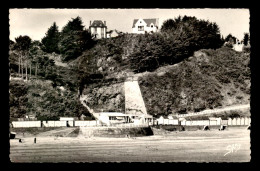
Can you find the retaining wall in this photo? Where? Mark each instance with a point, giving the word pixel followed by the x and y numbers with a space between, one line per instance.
pixel 116 132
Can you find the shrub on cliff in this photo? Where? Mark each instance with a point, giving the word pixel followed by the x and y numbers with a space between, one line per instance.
pixel 17 99
pixel 199 83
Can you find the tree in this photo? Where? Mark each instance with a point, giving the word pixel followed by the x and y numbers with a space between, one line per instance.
pixel 51 39
pixel 85 40
pixel 36 54
pixel 74 39
pixel 75 24
pixel 231 39
pixel 246 39
pixel 192 34
pixel 170 24
pixel 147 54
pixel 22 45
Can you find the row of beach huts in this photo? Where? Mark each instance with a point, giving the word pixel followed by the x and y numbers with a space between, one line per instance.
pixel 71 122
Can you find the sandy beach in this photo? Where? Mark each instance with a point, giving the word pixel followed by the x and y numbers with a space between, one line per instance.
pixel 231 145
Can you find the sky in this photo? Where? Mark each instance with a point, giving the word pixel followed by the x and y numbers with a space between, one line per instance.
pixel 35 22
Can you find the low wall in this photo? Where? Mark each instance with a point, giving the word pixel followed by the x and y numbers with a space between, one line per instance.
pixel 86 123
pixel 190 127
pixel 26 124
pixel 116 132
pixel 230 122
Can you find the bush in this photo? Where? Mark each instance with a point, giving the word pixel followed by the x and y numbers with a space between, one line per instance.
pixel 228 45
pixel 18 99
pixel 246 49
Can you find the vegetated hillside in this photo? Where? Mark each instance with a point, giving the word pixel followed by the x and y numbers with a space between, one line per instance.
pixel 208 79
pixel 50 94
pixel 108 57
pixel 130 53
pixel 39 98
pixel 109 98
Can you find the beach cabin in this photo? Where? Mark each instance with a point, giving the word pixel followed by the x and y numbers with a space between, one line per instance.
pixel 69 120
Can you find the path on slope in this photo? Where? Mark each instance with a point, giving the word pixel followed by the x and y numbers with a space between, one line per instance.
pixel 206 112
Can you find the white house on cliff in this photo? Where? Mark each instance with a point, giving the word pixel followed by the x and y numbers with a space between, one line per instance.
pixel 140 26
pixel 98 29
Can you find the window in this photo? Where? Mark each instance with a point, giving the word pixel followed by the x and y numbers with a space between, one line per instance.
pixel 151 26
pixel 140 28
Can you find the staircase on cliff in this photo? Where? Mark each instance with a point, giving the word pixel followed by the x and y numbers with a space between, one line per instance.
pixel 134 103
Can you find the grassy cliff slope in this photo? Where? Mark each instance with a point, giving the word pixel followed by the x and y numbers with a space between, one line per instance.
pixel 208 79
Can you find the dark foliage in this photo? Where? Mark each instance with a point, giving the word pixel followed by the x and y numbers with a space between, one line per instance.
pixel 246 39
pixel 51 39
pixel 22 43
pixel 74 40
pixel 17 99
pixel 230 39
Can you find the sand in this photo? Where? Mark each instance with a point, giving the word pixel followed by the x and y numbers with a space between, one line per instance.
pixel 232 145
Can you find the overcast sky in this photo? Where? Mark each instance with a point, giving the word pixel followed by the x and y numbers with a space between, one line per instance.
pixel 35 22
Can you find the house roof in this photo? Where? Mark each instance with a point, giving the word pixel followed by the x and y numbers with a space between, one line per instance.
pixel 147 21
pixel 97 23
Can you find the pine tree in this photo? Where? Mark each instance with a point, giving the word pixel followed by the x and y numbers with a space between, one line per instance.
pixel 74 39
pixel 75 24
pixel 246 39
pixel 51 39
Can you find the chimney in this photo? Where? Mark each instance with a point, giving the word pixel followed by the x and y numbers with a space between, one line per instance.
pixel 105 23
